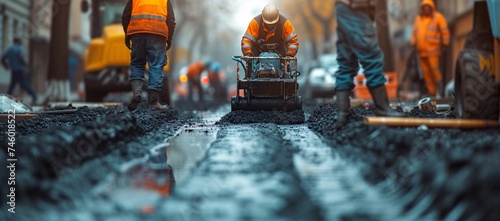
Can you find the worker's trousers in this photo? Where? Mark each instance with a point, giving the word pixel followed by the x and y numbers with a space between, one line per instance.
pixel 431 72
pixel 357 43
pixel 151 49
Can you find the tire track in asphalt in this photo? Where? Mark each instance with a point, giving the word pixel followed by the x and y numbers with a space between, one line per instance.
pixel 246 174
pixel 335 184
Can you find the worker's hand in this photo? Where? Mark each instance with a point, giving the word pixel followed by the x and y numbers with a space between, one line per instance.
pixel 248 55
pixel 128 41
pixel 290 55
pixel 169 44
pixel 444 48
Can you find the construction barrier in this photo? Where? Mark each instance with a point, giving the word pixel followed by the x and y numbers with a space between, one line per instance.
pixel 361 91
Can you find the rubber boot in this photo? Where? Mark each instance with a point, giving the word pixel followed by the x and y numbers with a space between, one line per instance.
pixel 136 98
pixel 381 102
pixel 343 103
pixel 154 101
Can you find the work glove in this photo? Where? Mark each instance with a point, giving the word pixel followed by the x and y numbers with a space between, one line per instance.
pixel 290 55
pixel 248 55
pixel 128 41
pixel 444 48
pixel 169 44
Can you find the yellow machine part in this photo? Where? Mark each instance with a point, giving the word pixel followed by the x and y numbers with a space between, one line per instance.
pixel 108 50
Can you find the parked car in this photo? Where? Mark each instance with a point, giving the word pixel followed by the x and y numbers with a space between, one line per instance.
pixel 320 82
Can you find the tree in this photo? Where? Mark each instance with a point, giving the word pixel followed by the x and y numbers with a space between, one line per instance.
pixel 384 37
pixel 58 84
pixel 315 22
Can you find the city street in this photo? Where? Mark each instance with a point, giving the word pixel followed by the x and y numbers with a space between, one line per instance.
pixel 109 164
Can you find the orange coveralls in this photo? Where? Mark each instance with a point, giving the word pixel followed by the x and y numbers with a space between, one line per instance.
pixel 429 32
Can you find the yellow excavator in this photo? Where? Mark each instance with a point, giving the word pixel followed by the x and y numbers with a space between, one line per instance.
pixel 107 59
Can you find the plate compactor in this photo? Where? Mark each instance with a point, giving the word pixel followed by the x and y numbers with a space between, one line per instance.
pixel 269 83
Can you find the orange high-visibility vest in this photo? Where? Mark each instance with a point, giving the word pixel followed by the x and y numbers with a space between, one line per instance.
pixel 149 16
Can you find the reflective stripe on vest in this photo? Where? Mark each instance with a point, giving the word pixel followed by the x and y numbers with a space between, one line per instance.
pixel 149 16
pixel 433 35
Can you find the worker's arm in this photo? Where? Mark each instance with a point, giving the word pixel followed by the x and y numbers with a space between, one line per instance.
pixel 250 37
pixel 170 20
pixel 127 13
pixel 291 39
pixel 443 28
pixel 170 23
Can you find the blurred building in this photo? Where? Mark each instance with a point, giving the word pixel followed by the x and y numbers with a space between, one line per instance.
pixel 402 14
pixel 14 22
pixel 40 38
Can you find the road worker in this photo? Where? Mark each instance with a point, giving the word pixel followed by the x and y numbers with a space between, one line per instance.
pixel 357 43
pixel 194 72
pixel 149 26
pixel 267 28
pixel 430 32
pixel 14 59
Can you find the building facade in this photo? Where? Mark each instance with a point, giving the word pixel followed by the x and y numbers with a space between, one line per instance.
pixel 14 22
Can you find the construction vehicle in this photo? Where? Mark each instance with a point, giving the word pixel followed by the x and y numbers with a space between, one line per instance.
pixel 107 59
pixel 270 82
pixel 477 76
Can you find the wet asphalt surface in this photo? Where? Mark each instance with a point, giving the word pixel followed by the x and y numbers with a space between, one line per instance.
pixel 203 162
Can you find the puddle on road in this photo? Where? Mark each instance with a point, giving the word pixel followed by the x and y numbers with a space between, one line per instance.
pixel 187 148
pixel 143 183
pixel 191 143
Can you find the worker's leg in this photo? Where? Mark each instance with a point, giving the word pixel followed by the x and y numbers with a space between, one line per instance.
pixel 137 69
pixel 200 91
pixel 138 57
pixel 24 84
pixel 13 82
pixel 348 62
pixel 362 38
pixel 348 65
pixel 156 51
pixel 426 68
pixel 190 89
pixel 435 72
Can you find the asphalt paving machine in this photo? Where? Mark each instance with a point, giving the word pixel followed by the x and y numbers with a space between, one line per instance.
pixel 269 83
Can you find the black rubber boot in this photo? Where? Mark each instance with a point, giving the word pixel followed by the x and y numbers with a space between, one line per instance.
pixel 381 102
pixel 136 98
pixel 343 103
pixel 154 101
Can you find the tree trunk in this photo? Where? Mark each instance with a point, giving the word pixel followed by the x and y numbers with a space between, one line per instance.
pixel 58 84
pixel 309 31
pixel 326 24
pixel 384 37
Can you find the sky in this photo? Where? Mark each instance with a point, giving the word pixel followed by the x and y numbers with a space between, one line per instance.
pixel 246 11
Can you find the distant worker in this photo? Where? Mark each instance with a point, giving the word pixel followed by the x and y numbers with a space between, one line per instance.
pixel 72 65
pixel 194 72
pixel 13 59
pixel 357 42
pixel 270 27
pixel 429 32
pixel 148 25
pixel 216 77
